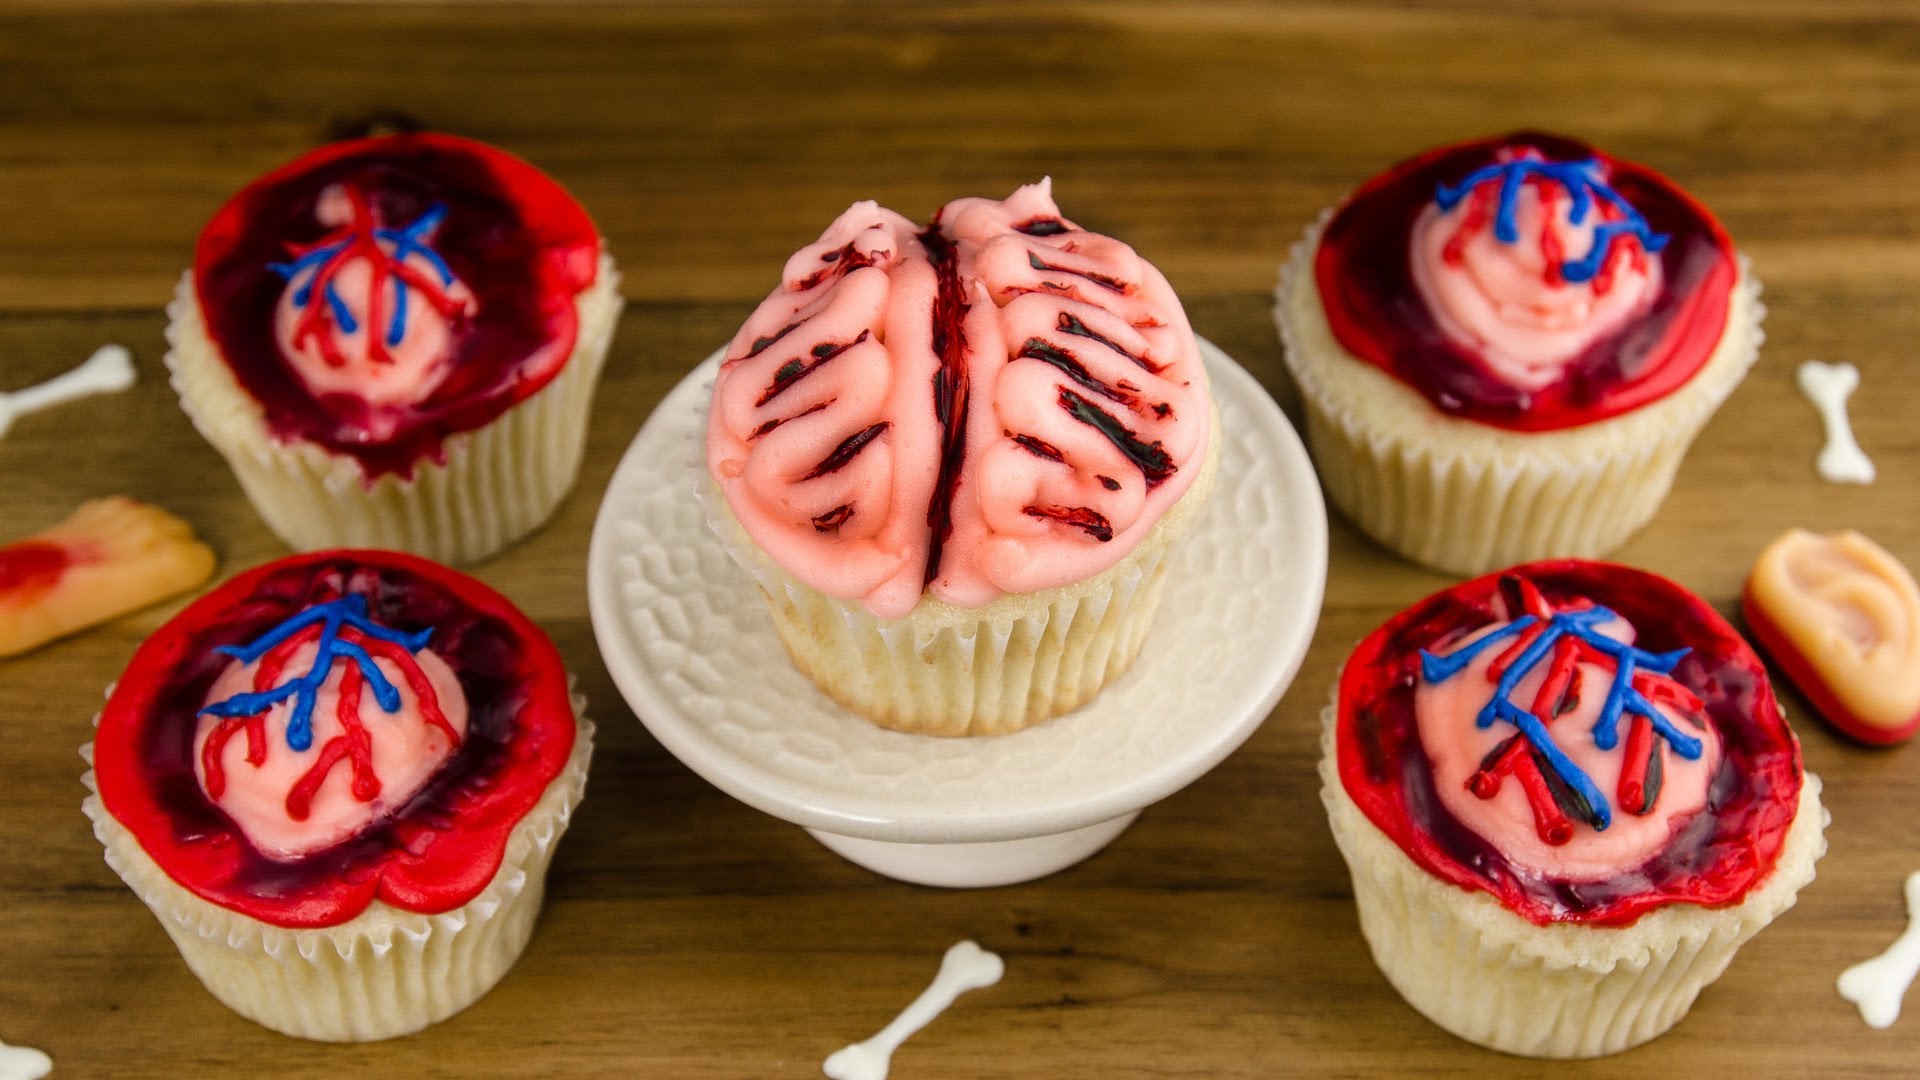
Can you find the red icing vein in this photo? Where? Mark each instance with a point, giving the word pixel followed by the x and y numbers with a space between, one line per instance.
pixel 1715 857
pixel 510 234
pixel 447 842
pixel 1363 271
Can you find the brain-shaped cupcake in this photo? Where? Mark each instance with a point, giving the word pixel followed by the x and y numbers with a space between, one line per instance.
pixel 998 403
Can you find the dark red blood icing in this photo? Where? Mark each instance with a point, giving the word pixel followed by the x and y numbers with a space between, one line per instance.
pixel 512 235
pixel 1364 274
pixel 1716 856
pixel 29 568
pixel 950 394
pixel 444 847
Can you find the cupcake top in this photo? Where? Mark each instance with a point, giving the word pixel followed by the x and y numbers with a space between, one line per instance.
pixel 999 402
pixel 331 729
pixel 1528 282
pixel 1583 741
pixel 377 295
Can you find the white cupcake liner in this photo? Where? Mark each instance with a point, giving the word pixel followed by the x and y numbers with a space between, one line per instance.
pixel 384 973
pixel 1466 497
pixel 991 670
pixel 1563 991
pixel 499 482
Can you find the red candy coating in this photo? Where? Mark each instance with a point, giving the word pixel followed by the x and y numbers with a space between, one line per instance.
pixel 1363 271
pixel 512 235
pixel 1715 859
pixel 448 842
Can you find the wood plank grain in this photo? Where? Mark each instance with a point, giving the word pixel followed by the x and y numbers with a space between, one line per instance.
pixel 688 936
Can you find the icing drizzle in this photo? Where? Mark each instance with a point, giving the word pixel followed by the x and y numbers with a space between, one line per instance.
pixel 1364 270
pixel 1585 183
pixel 1558 790
pixel 345 633
pixel 427 852
pixel 1712 856
pixel 340 631
pixel 378 295
pixel 386 251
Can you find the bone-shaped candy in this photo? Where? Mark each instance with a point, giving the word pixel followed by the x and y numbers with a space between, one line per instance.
pixel 1877 985
pixel 1829 386
pixel 110 368
pixel 965 967
pixel 23 1063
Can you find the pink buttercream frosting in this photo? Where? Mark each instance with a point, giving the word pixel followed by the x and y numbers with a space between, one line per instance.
pixel 1456 746
pixel 1507 302
pixel 349 361
pixel 407 750
pixel 1000 403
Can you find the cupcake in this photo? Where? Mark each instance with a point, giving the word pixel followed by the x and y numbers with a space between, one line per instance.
pixel 337 781
pixel 394 342
pixel 955 457
pixel 1506 347
pixel 1567 797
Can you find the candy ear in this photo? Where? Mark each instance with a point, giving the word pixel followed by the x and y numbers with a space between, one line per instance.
pixel 1842 616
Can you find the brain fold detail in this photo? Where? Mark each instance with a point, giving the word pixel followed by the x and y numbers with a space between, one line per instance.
pixel 999 402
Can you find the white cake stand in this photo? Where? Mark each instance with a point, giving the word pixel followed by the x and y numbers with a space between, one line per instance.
pixel 689 642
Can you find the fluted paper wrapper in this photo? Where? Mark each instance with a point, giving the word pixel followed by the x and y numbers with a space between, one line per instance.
pixel 498 483
pixel 387 972
pixel 992 670
pixel 1562 991
pixel 1468 498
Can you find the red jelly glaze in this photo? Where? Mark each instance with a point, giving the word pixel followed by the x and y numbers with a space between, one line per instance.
pixel 28 568
pixel 1807 680
pixel 512 235
pixel 1365 278
pixel 1716 857
pixel 444 846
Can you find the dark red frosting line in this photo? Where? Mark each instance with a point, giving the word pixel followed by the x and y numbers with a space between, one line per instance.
pixel 951 393
pixel 1716 857
pixel 444 847
pixel 515 238
pixel 1364 275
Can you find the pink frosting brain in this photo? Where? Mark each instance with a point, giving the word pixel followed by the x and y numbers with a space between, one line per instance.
pixel 998 403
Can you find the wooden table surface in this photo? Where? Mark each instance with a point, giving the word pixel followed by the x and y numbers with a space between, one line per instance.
pixel 688 936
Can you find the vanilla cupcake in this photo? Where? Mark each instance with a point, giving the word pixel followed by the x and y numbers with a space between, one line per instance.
pixel 394 342
pixel 956 458
pixel 337 781
pixel 1567 796
pixel 1506 347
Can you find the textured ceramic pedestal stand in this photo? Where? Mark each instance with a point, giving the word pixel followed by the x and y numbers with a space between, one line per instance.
pixel 689 642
